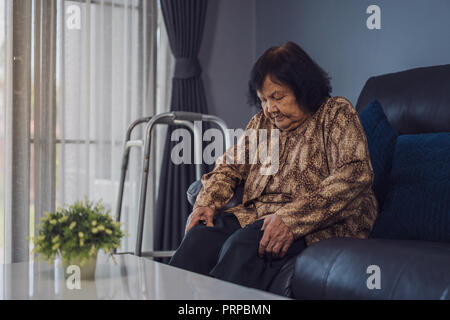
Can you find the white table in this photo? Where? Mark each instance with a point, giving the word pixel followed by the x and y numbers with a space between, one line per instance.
pixel 131 278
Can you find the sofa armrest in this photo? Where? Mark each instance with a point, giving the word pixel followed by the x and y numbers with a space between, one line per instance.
pixel 196 186
pixel 193 191
pixel 338 269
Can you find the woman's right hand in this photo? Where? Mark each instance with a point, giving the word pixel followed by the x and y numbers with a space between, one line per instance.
pixel 200 214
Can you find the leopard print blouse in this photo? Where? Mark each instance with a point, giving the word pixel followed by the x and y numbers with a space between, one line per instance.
pixel 322 187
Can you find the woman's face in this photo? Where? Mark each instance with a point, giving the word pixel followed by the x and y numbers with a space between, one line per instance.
pixel 280 105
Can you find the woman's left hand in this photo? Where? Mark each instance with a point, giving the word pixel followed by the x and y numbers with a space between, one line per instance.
pixel 277 238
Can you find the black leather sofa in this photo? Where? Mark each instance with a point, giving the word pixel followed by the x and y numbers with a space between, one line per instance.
pixel 414 101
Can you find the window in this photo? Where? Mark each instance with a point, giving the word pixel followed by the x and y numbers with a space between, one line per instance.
pixel 3 89
pixel 95 67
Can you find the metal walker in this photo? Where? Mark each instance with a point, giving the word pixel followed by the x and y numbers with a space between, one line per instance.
pixel 169 118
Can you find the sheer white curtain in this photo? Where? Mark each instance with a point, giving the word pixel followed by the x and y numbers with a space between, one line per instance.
pixel 5 90
pixel 2 123
pixel 96 66
pixel 15 128
pixel 108 78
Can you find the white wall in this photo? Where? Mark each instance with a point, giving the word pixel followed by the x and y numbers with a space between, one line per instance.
pixel 414 33
pixel 226 56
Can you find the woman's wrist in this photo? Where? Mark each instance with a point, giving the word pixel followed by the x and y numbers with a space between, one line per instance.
pixel 200 205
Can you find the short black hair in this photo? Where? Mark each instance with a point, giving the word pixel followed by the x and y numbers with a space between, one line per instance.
pixel 290 65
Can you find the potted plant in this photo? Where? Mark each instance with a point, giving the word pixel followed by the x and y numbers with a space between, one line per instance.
pixel 76 233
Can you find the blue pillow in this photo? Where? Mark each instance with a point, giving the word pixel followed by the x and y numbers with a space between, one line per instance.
pixel 381 138
pixel 417 206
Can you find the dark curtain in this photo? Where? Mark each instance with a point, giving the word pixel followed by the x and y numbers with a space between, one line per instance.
pixel 185 20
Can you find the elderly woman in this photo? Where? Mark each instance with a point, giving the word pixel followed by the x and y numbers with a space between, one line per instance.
pixel 322 188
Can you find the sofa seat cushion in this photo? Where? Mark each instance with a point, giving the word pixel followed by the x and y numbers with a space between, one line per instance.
pixel 345 268
pixel 417 206
pixel 381 138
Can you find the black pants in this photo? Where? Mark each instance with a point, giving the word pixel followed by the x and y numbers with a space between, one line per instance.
pixel 229 252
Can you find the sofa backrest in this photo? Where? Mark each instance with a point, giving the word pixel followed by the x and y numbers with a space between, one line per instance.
pixel 417 104
pixel 414 101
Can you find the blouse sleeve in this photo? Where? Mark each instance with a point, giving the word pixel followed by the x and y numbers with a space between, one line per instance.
pixel 230 171
pixel 350 174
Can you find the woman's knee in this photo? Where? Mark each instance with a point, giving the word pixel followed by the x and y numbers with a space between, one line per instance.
pixel 243 239
pixel 199 250
pixel 190 250
pixel 201 242
pixel 194 238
